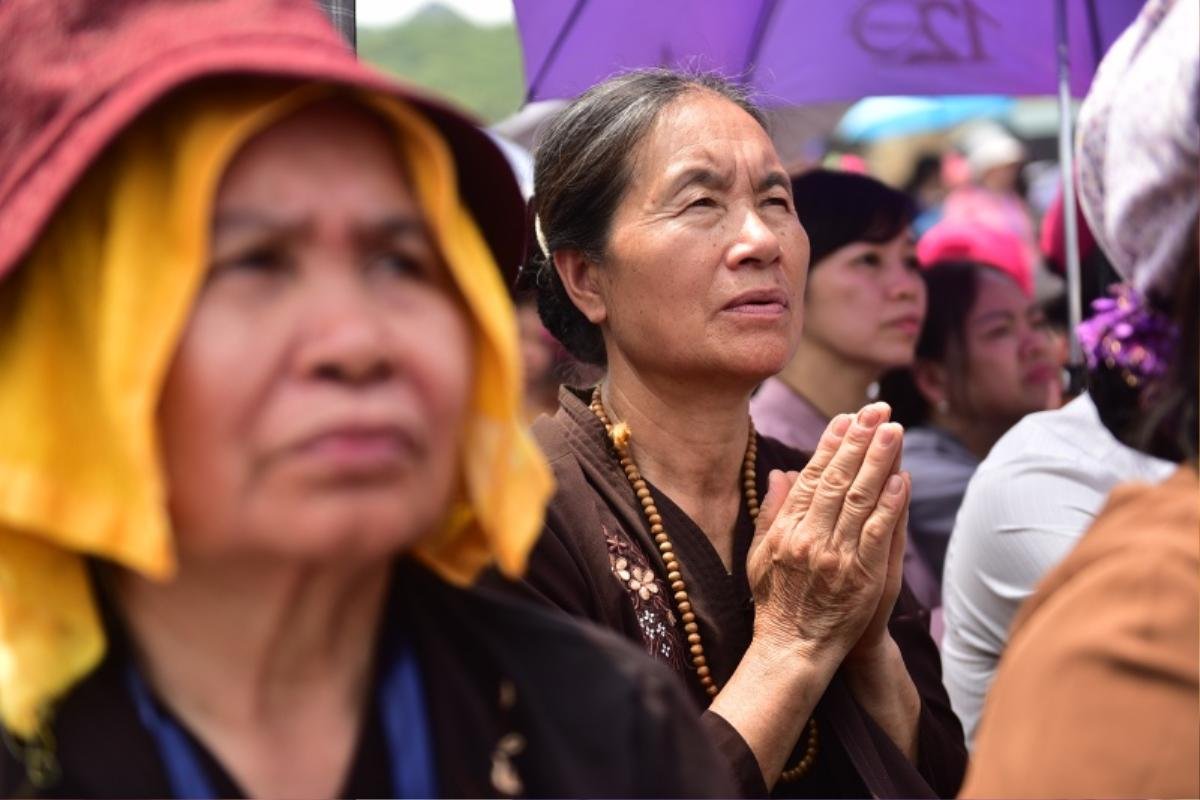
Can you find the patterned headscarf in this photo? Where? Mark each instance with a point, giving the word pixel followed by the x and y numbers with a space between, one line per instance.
pixel 1139 145
pixel 88 326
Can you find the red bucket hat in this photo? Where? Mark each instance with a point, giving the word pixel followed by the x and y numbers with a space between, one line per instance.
pixel 75 73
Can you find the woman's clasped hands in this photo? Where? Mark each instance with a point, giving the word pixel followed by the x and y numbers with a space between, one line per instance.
pixel 826 562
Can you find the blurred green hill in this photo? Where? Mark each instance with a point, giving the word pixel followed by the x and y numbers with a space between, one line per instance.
pixel 477 67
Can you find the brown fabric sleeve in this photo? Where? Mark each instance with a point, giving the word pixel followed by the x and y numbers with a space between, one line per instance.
pixel 569 570
pixel 737 753
pixel 569 567
pixel 941 747
pixel 557 574
pixel 683 760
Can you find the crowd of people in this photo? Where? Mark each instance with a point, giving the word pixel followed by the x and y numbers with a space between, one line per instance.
pixel 809 515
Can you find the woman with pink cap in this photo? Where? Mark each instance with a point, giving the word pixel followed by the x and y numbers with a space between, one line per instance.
pixel 983 361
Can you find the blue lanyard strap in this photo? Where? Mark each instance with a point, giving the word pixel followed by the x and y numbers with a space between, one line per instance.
pixel 184 771
pixel 406 727
pixel 401 706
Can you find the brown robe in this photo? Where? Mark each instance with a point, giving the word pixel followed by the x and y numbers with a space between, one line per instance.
pixel 596 560
pixel 592 716
pixel 1098 693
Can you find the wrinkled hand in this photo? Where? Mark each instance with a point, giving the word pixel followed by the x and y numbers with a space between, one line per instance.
pixel 876 634
pixel 825 562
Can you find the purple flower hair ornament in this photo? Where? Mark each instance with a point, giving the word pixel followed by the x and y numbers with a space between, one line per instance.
pixel 1126 334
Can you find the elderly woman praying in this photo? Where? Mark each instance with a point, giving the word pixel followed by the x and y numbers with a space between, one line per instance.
pixel 669 252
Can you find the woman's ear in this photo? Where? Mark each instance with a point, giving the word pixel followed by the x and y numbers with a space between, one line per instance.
pixel 931 380
pixel 580 277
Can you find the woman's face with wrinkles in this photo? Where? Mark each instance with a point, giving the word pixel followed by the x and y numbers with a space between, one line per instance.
pixel 704 272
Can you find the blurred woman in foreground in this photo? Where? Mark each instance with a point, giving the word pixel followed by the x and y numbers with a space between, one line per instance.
pixel 259 429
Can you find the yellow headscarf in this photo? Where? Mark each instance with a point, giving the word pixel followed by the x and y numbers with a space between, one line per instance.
pixel 88 326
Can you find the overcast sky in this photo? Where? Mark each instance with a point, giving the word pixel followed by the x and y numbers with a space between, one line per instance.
pixel 371 13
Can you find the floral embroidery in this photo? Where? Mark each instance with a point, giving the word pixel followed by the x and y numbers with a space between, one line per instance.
pixel 639 579
pixel 651 608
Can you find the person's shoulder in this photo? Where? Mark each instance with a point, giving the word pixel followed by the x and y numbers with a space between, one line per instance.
pixel 781 413
pixel 1140 517
pixel 1071 441
pixel 546 635
pixel 100 748
pixel 569 437
pixel 550 434
pixel 567 447
pixel 598 716
pixel 601 692
pixel 1145 539
pixel 936 444
pixel 1041 506
pixel 1044 450
pixel 1116 625
pixel 936 459
pixel 1059 434
pixel 774 402
pixel 541 637
pixel 941 469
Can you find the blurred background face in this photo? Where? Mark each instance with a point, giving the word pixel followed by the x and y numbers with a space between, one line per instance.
pixel 314 405
pixel 866 303
pixel 704 271
pixel 1010 369
pixel 1003 178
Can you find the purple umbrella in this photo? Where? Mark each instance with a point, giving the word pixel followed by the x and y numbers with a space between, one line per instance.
pixel 807 51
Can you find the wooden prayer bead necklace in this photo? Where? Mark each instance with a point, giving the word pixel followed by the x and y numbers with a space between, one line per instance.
pixel 619 435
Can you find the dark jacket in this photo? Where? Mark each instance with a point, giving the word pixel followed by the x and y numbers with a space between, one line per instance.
pixel 592 561
pixel 581 713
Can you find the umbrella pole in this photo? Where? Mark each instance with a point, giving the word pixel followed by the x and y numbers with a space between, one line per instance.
pixel 342 14
pixel 1066 159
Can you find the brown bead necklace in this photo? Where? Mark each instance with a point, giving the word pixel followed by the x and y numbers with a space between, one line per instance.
pixel 619 435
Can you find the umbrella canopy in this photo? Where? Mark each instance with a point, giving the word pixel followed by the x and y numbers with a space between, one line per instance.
pixel 796 53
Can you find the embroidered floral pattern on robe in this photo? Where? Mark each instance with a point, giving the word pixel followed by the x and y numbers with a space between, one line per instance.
pixel 651 603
